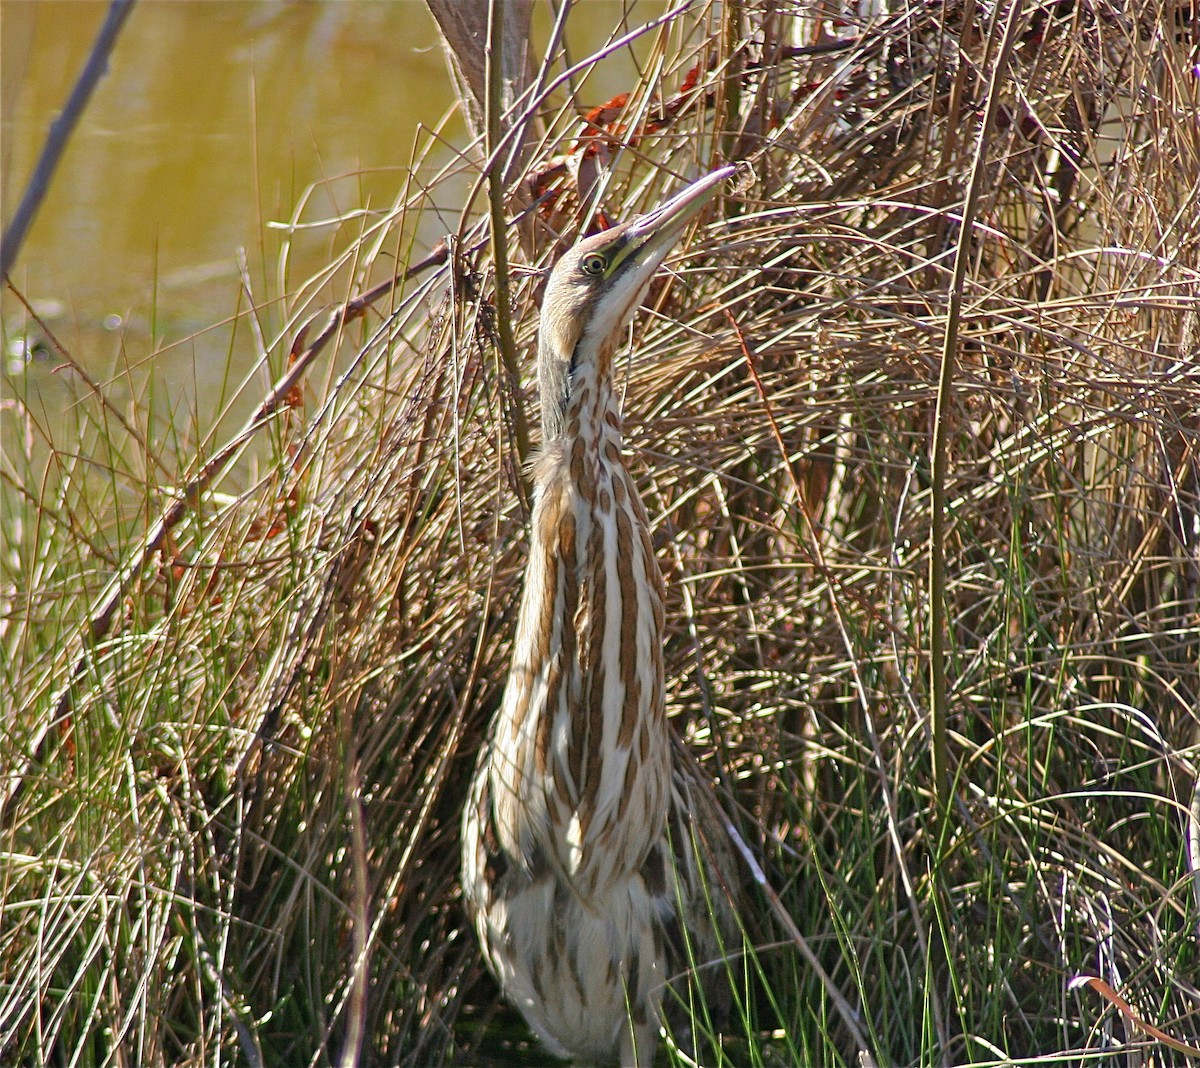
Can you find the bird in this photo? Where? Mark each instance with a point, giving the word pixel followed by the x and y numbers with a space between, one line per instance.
pixel 592 863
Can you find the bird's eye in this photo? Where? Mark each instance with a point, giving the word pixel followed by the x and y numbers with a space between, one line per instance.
pixel 594 264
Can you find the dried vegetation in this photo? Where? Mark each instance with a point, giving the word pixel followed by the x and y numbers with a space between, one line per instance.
pixel 239 841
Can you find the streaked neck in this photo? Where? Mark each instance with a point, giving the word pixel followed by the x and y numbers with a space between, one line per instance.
pixel 578 402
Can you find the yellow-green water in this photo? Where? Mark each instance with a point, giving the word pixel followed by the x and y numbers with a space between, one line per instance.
pixel 218 120
pixel 214 120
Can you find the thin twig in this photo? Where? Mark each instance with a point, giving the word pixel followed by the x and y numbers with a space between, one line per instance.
pixel 495 176
pixel 940 448
pixel 360 968
pixel 60 133
pixel 1193 842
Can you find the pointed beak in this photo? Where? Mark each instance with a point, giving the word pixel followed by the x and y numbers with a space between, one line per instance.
pixel 653 235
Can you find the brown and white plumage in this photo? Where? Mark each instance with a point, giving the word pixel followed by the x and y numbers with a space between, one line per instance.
pixel 577 844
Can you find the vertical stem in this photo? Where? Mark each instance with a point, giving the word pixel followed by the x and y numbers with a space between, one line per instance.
pixel 938 640
pixel 730 107
pixel 499 227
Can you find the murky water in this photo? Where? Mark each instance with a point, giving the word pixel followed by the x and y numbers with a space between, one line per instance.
pixel 216 122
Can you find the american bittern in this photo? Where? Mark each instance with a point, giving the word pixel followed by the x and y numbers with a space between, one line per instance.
pixel 587 881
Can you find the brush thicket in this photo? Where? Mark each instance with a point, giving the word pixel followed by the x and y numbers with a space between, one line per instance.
pixel 242 841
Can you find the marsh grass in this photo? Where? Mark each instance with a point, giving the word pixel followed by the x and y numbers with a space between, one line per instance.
pixel 240 843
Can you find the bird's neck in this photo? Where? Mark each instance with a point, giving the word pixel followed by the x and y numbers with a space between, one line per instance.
pixel 579 406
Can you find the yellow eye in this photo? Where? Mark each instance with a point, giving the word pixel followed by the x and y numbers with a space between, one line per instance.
pixel 595 264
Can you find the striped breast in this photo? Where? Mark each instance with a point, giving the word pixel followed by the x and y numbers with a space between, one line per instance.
pixel 581 760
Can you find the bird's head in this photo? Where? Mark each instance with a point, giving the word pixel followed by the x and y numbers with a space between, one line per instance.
pixel 596 287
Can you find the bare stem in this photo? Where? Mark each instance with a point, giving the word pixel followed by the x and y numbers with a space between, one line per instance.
pixel 508 344
pixel 60 133
pixel 938 640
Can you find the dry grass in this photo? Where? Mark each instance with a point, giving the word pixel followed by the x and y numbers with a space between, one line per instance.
pixel 242 846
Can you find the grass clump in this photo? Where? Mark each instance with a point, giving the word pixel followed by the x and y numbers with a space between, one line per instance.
pixel 238 839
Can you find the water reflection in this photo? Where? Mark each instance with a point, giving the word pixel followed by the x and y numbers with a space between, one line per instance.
pixel 212 122
pixel 215 121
